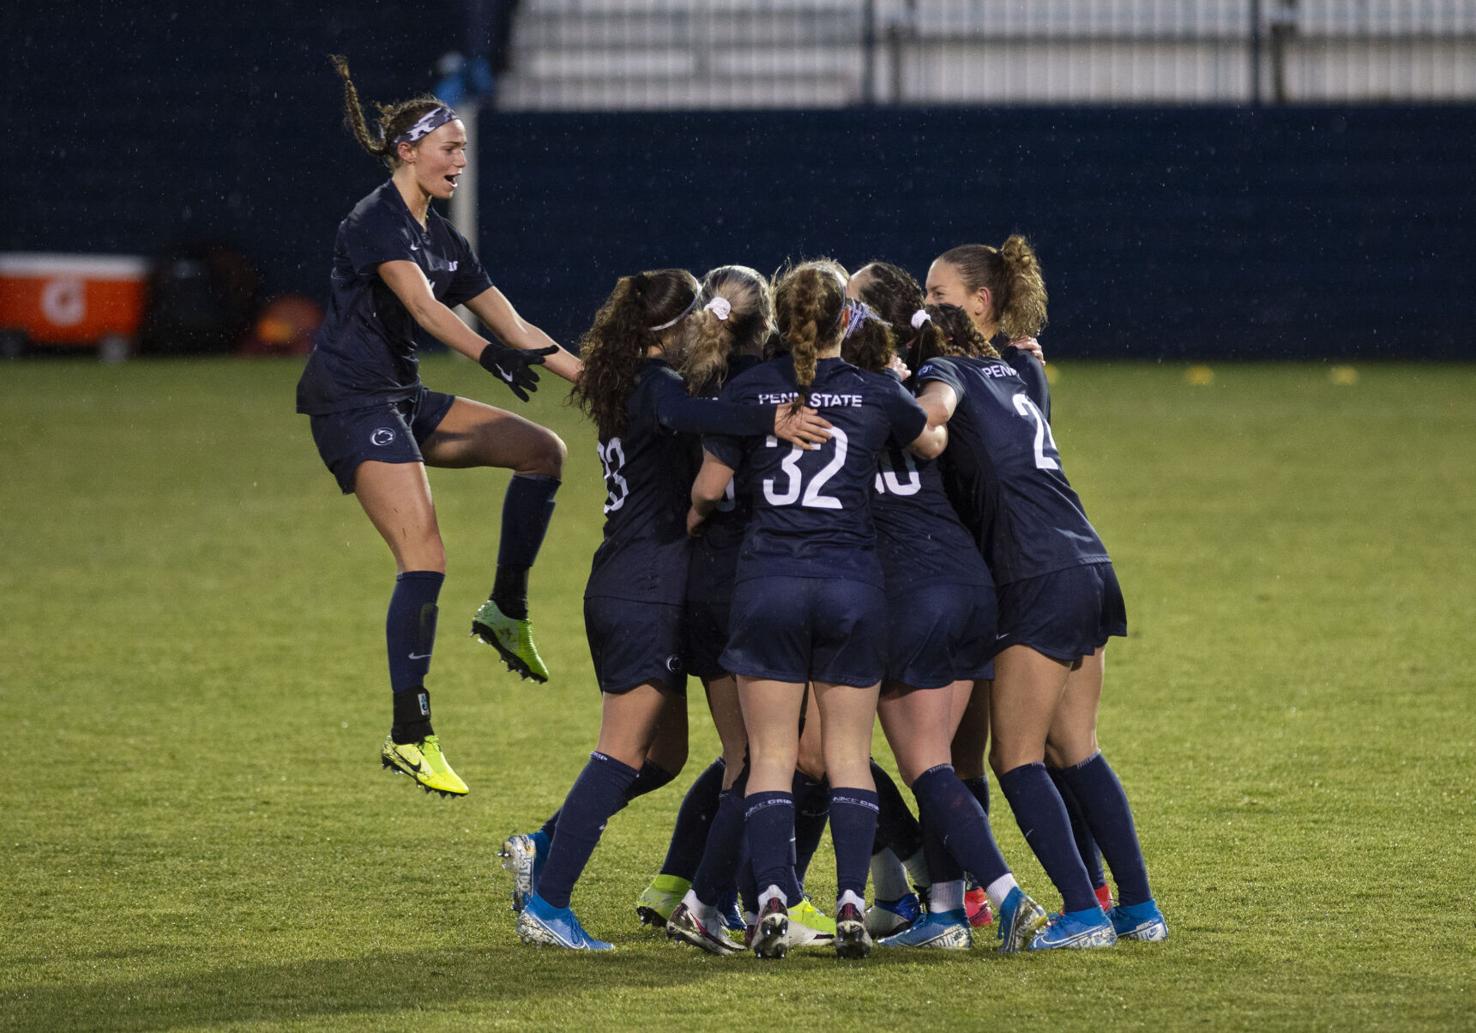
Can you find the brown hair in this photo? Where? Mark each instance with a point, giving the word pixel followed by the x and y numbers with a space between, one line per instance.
pixel 394 119
pixel 808 301
pixel 1012 274
pixel 896 297
pixel 709 343
pixel 957 334
pixel 615 345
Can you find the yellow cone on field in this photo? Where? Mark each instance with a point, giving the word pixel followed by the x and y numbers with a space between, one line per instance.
pixel 1199 376
pixel 1343 376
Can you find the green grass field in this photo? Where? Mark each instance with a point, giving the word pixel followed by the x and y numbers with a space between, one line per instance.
pixel 197 833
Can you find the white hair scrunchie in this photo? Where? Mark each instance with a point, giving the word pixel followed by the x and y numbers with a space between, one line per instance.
pixel 919 318
pixel 721 307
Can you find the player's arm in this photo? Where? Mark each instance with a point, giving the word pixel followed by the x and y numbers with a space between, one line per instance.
pixel 938 401
pixel 678 411
pixel 707 490
pixel 414 291
pixel 493 308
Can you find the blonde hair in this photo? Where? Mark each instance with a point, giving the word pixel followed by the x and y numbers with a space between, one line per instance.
pixel 808 302
pixel 708 343
pixel 1012 274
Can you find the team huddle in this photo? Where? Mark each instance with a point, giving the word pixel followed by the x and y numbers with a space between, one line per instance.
pixel 831 499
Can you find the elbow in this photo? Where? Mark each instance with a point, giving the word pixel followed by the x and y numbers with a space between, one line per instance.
pixel 931 443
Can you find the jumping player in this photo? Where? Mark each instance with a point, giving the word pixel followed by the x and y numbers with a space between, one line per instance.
pixel 398 267
pixel 633 600
pixel 1059 603
pixel 808 604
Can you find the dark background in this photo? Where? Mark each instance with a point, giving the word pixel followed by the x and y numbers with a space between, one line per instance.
pixel 1165 232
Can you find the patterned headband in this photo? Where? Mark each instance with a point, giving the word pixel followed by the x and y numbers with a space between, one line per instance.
pixel 432 120
pixel 855 313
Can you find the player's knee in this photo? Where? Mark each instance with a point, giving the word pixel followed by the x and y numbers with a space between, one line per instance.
pixel 549 455
pixel 422 551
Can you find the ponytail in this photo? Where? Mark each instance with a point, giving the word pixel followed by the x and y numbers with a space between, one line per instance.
pixel 809 301
pixel 1013 277
pixel 394 119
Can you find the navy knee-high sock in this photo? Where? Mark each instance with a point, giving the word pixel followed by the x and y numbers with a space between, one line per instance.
pixel 410 636
pixel 942 865
pixel 769 824
pixel 694 821
pixel 1105 807
pixel 1041 815
pixel 811 812
pixel 979 789
pixel 853 819
pixel 748 890
pixel 962 825
pixel 717 874
pixel 598 792
pixel 1086 843
pixel 895 825
pixel 526 510
pixel 650 778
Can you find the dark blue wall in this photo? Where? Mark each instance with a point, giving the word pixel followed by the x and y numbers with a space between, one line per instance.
pixel 1164 232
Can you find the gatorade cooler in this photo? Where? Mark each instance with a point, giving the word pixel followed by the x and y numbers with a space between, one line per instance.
pixel 87 301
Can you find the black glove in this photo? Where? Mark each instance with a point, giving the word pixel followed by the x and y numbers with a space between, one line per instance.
pixel 514 366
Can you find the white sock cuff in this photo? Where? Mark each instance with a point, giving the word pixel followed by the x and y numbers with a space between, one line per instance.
pixel 1000 888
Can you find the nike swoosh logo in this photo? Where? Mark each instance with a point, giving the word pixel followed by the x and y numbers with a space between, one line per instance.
pixel 419 656
pixel 414 247
pixel 507 376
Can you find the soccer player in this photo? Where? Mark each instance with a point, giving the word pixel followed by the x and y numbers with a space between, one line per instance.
pixel 1059 602
pixel 398 267
pixel 633 599
pixel 808 605
pixel 1002 289
pixel 940 638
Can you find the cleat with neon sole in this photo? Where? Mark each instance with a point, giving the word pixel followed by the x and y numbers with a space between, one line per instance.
pixel 424 762
pixel 512 638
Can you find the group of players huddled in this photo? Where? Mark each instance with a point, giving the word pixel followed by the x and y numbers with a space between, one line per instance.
pixel 830 498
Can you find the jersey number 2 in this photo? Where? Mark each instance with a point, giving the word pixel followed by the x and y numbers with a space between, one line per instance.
pixel 1025 407
pixel 794 480
pixel 612 458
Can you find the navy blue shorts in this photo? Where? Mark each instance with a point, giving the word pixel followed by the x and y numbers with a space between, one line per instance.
pixel 633 643
pixel 391 432
pixel 706 636
pixel 940 634
pixel 799 629
pixel 1066 615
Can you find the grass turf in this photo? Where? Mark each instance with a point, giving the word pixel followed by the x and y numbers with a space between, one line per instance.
pixel 198 835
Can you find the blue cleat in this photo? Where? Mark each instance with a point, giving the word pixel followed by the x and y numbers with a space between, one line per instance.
pixel 524 856
pixel 946 930
pixel 1079 930
pixel 542 924
pixel 1019 919
pixel 888 917
pixel 1139 922
pixel 733 917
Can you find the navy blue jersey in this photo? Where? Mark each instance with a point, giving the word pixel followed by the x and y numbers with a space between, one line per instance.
pixel 812 509
pixel 715 552
pixel 920 536
pixel 1033 374
pixel 1006 477
pixel 364 353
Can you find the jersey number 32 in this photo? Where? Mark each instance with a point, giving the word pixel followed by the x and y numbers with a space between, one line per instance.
pixel 794 489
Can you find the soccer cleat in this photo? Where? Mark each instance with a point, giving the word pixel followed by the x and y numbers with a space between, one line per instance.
pixel 523 857
pixel 659 901
pixel 424 762
pixel 851 938
pixel 1104 898
pixel 809 926
pixel 733 917
pixel 770 937
pixel 1079 930
pixel 945 930
pixel 542 924
pixel 889 917
pixel 1139 922
pixel 512 638
pixel 1019 919
pixel 976 906
pixel 686 926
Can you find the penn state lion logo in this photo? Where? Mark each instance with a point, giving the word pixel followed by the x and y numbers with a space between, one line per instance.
pixel 674 664
pixel 382 436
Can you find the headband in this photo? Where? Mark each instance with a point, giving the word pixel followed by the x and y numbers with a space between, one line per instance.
pixel 428 123
pixel 691 307
pixel 919 318
pixel 854 314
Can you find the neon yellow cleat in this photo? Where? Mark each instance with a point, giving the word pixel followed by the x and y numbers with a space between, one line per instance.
pixel 809 927
pixel 658 900
pixel 424 762
pixel 513 640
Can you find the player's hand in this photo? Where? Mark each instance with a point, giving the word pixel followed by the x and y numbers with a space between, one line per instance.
pixel 695 520
pixel 1031 345
pixel 803 427
pixel 515 366
pixel 899 367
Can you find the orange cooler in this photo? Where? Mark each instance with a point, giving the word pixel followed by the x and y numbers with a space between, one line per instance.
pixel 72 299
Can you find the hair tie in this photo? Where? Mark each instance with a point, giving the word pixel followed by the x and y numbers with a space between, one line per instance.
pixel 720 307
pixel 683 314
pixel 428 123
pixel 919 318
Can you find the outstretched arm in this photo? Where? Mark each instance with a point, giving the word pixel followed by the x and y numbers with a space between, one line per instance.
pixel 493 308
